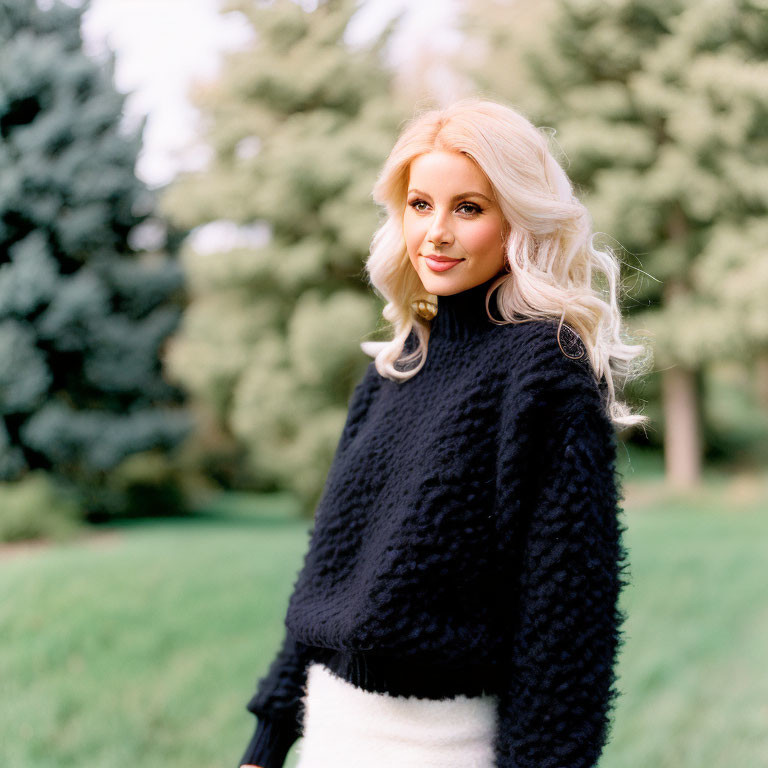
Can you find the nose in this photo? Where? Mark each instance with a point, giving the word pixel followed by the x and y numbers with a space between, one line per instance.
pixel 439 232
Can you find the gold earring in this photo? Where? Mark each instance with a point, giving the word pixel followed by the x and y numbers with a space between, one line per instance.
pixel 425 308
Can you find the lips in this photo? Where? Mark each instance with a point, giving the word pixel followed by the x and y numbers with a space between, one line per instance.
pixel 440 263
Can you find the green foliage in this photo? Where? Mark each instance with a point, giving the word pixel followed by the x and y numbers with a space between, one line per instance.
pixel 737 425
pixel 298 124
pixel 37 507
pixel 660 111
pixel 147 484
pixel 84 316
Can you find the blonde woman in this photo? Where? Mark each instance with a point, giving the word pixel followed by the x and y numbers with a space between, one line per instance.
pixel 458 602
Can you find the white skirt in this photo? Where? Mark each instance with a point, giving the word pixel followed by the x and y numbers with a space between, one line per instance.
pixel 348 727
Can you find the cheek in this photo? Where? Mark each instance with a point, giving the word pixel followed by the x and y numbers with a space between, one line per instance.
pixel 414 232
pixel 482 238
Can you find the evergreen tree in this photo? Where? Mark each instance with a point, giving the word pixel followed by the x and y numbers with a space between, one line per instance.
pixel 298 125
pixel 660 109
pixel 83 314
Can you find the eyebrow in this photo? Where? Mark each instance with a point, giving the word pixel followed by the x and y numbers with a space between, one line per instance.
pixel 455 197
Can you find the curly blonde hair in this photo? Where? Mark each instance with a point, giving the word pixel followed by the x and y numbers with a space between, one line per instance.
pixel 551 261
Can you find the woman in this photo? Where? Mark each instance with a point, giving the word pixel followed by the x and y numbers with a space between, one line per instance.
pixel 458 602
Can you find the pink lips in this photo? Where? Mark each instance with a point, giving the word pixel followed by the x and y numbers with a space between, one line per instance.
pixel 441 263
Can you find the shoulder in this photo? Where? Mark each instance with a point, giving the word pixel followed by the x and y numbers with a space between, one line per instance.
pixel 360 401
pixel 551 400
pixel 546 365
pixel 366 386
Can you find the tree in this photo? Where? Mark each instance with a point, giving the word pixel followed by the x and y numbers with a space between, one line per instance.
pixel 297 124
pixel 83 313
pixel 660 109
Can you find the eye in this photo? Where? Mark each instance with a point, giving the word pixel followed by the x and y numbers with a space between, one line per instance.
pixel 471 208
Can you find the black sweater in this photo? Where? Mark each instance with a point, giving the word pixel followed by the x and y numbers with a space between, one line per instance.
pixel 467 540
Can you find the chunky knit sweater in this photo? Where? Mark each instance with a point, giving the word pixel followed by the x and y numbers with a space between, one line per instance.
pixel 467 541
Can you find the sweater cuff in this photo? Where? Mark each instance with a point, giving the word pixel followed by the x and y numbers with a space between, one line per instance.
pixel 271 741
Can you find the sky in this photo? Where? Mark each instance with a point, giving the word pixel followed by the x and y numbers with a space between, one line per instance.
pixel 161 46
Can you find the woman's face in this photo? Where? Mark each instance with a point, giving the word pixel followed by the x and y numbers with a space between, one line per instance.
pixel 451 214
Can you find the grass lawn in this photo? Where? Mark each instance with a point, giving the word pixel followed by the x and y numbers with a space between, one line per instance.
pixel 140 646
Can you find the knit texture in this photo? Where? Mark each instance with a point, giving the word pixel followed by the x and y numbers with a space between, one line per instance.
pixel 467 541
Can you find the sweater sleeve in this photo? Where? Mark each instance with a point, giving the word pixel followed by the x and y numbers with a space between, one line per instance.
pixel 562 562
pixel 277 705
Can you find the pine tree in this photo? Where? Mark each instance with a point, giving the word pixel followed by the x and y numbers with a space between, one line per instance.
pixel 660 109
pixel 298 125
pixel 83 314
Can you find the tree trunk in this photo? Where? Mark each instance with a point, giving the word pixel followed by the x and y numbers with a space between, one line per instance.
pixel 682 431
pixel 679 388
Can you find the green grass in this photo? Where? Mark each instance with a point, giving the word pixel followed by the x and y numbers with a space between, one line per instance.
pixel 141 646
pixel 692 668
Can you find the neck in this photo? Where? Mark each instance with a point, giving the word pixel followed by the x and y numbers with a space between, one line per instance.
pixel 463 315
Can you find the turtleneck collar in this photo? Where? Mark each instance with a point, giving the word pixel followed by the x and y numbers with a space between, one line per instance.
pixel 462 315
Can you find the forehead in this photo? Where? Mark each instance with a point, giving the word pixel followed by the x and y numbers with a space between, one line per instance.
pixel 446 172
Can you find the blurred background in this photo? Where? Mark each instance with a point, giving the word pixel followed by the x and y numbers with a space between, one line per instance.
pixel 184 216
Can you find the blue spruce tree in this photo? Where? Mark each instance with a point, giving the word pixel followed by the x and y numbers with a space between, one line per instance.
pixel 84 313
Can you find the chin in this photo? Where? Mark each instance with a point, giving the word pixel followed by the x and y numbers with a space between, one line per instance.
pixel 439 286
pixel 445 284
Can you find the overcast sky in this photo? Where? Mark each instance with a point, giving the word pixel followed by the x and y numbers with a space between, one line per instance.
pixel 162 45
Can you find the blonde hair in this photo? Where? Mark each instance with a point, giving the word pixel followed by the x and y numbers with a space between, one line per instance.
pixel 550 255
